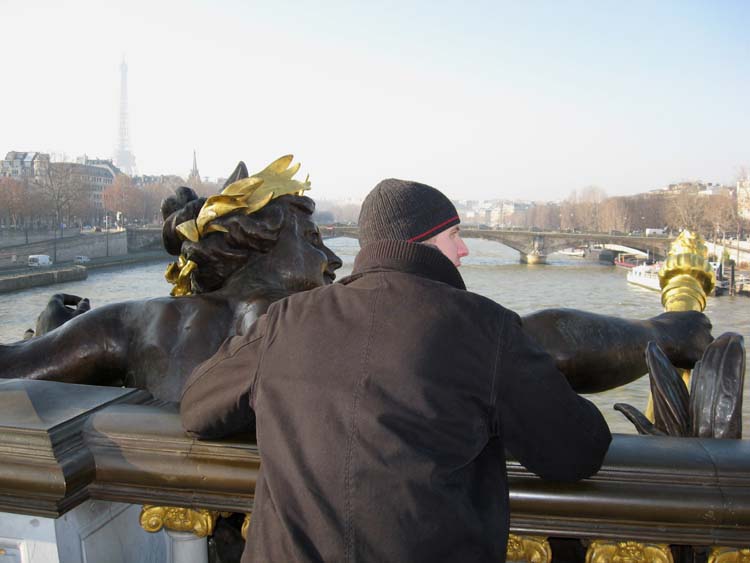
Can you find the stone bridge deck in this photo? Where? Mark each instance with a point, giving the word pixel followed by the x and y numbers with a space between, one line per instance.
pixel 535 246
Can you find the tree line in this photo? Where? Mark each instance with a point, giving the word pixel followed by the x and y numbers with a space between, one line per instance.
pixel 60 196
pixel 590 210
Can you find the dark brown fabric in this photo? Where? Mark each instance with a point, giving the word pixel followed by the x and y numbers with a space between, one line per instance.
pixel 383 405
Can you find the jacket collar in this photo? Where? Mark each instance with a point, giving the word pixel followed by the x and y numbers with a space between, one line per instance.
pixel 408 257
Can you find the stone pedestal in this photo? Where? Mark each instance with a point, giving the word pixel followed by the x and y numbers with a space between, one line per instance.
pixel 94 531
pixel 187 547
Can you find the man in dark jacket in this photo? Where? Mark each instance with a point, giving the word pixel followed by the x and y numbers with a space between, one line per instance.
pixel 384 403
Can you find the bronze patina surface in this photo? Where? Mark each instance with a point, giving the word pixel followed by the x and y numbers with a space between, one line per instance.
pixel 247 248
pixel 45 467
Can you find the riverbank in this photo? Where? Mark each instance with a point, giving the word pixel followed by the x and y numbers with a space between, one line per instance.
pixel 20 282
pixel 19 279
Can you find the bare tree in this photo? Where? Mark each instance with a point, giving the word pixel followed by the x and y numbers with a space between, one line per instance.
pixel 613 215
pixel 123 197
pixel 60 188
pixel 688 211
pixel 12 202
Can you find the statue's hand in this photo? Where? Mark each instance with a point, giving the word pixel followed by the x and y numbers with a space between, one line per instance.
pixel 60 309
pixel 683 336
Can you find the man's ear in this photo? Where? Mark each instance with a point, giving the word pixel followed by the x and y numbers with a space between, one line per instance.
pixel 240 172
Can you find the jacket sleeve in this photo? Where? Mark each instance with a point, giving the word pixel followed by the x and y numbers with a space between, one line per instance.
pixel 216 399
pixel 547 427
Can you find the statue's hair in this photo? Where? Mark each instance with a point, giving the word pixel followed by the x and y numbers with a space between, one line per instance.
pixel 220 254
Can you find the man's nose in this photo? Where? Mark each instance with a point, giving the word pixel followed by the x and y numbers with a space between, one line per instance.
pixel 463 250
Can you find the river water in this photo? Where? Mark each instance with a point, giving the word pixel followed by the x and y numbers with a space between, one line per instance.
pixel 491 269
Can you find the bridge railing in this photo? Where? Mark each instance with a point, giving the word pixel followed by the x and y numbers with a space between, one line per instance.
pixel 651 493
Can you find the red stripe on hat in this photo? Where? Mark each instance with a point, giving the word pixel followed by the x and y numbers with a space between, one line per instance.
pixel 432 230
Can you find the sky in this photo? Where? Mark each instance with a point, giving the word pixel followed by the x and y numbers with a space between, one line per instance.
pixel 499 99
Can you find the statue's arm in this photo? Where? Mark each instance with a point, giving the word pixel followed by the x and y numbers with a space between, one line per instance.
pixel 90 348
pixel 599 352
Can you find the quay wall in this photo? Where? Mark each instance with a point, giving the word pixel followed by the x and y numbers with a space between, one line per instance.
pixel 46 277
pixel 145 238
pixel 93 245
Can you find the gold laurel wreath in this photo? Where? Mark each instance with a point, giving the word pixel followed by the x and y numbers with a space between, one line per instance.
pixel 246 196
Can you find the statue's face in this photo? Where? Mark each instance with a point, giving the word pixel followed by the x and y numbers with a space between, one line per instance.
pixel 303 259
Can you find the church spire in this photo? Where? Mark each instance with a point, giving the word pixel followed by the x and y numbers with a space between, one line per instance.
pixel 194 178
pixel 194 172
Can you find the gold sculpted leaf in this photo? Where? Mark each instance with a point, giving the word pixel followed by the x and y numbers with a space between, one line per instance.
pixel 243 186
pixel 245 196
pixel 188 230
pixel 248 195
pixel 214 228
pixel 279 167
pixel 178 274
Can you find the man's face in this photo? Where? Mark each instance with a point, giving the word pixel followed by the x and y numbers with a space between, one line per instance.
pixel 451 244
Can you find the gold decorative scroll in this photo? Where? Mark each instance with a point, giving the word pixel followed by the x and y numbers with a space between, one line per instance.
pixel 529 549
pixel 245 526
pixel 605 551
pixel 196 521
pixel 729 555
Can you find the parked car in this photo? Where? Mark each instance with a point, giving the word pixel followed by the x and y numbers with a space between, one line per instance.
pixel 81 260
pixel 39 261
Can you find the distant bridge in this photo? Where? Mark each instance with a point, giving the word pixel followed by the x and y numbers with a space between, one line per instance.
pixel 535 246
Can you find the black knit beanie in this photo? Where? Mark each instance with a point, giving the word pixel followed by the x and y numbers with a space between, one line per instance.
pixel 403 210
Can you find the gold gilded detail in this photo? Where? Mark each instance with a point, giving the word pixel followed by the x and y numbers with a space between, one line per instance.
pixel 245 526
pixel 529 549
pixel 729 555
pixel 245 196
pixel 685 279
pixel 604 551
pixel 687 276
pixel 178 274
pixel 248 195
pixel 197 521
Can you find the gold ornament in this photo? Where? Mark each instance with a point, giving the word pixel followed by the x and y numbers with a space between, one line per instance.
pixel 197 521
pixel 245 526
pixel 529 549
pixel 687 276
pixel 178 274
pixel 245 196
pixel 685 279
pixel 604 551
pixel 729 555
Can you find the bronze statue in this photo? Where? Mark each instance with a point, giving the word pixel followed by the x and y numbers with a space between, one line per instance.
pixel 712 409
pixel 240 264
pixel 253 244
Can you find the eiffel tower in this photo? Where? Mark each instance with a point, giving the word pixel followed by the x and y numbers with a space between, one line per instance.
pixel 124 157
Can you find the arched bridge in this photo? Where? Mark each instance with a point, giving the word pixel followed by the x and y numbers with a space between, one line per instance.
pixel 535 246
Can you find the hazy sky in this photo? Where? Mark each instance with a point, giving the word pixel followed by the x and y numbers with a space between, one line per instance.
pixel 482 99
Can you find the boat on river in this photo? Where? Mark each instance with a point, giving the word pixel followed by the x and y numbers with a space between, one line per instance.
pixel 572 252
pixel 645 275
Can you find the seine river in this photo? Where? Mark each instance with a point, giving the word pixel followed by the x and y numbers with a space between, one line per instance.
pixel 491 270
